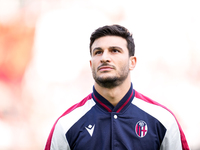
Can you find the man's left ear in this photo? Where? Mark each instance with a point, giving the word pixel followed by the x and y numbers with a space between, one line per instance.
pixel 132 62
pixel 91 64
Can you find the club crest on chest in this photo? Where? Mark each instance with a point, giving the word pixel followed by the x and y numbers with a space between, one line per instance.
pixel 141 129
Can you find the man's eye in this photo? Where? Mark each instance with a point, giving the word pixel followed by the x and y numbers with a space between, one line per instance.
pixel 98 52
pixel 115 51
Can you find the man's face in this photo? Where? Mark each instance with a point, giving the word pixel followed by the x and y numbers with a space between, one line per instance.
pixel 110 61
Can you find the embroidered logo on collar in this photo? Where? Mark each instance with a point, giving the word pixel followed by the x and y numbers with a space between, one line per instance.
pixel 141 129
pixel 90 129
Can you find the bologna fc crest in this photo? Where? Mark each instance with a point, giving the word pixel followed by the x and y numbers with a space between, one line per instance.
pixel 141 129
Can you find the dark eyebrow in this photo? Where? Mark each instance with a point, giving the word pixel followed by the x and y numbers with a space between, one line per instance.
pixel 115 47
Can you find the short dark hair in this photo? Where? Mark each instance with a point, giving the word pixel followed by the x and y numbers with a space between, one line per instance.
pixel 114 30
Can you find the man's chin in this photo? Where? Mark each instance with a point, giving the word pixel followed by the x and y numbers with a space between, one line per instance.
pixel 107 82
pixel 107 78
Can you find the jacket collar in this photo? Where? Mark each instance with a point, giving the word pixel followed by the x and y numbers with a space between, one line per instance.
pixel 120 107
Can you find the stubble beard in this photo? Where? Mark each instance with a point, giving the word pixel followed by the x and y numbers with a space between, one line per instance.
pixel 111 81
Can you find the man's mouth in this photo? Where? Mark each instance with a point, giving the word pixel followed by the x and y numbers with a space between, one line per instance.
pixel 105 68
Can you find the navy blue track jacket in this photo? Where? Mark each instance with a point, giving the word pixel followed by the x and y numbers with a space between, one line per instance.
pixel 135 123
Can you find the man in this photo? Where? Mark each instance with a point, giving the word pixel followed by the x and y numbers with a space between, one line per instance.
pixel 115 116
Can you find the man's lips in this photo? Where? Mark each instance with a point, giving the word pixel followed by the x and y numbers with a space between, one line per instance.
pixel 105 68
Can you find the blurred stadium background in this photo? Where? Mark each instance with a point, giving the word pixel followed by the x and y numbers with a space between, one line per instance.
pixel 44 61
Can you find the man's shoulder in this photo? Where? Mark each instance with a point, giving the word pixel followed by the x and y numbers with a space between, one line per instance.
pixel 147 99
pixel 75 112
pixel 86 102
pixel 155 109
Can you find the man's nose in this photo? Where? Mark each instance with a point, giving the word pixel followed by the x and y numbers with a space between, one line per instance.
pixel 105 57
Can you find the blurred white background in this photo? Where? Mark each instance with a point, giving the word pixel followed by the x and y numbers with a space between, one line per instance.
pixel 44 61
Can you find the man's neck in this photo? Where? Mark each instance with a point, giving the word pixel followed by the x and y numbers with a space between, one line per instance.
pixel 114 95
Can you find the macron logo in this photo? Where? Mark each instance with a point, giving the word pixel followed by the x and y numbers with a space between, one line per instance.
pixel 90 129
